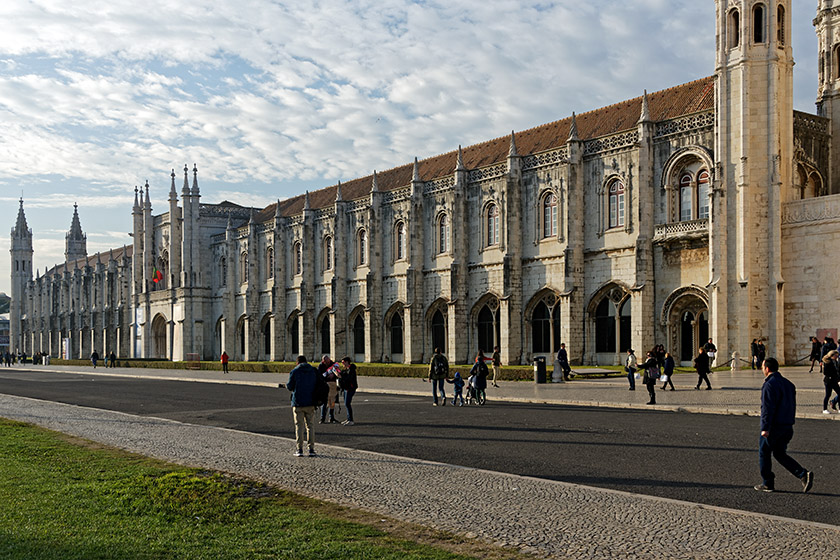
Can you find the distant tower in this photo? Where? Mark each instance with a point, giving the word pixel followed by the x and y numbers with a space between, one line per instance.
pixel 75 240
pixel 827 25
pixel 21 250
pixel 753 175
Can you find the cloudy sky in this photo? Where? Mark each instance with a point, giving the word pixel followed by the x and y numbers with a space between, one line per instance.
pixel 270 98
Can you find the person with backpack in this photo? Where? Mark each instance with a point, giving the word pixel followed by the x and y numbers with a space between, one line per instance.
pixel 479 373
pixel 651 376
pixel 349 382
pixel 305 384
pixel 438 372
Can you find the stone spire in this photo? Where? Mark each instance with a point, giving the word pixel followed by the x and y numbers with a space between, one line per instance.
pixel 375 184
pixel 512 151
pixel 459 166
pixel 195 191
pixel 230 222
pixel 21 228
pixel 185 191
pixel 277 214
pixel 415 173
pixel 306 205
pixel 75 240
pixel 645 116
pixel 338 193
pixel 251 221
pixel 173 194
pixel 136 199
pixel 573 130
pixel 148 203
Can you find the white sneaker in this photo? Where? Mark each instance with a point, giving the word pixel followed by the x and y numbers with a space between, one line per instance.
pixel 348 423
pixel 826 412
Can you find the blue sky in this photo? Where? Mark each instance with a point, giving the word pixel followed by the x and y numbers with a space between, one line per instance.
pixel 270 98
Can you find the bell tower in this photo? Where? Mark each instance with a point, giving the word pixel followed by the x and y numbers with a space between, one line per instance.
pixel 753 173
pixel 827 24
pixel 21 250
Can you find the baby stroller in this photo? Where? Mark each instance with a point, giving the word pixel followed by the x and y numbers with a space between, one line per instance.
pixel 475 395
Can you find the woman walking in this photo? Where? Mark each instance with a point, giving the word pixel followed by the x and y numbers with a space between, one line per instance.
pixel 349 382
pixel 831 377
pixel 668 371
pixel 651 375
pixel 816 351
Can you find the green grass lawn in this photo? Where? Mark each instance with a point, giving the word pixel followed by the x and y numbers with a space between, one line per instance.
pixel 64 499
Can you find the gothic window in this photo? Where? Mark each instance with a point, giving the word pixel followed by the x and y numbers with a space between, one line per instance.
pixel 269 262
pixel 625 325
pixel 616 203
pixel 541 329
pixel 294 332
pixel 734 29
pixel 325 335
pixel 686 196
pixel 361 247
pixel 758 23
pixel 443 234
pixel 399 241
pixel 492 225
pixel 359 335
pixel 396 334
pixel 605 326
pixel 488 329
pixel 267 338
pixel 243 267
pixel 439 331
pixel 298 255
pixel 703 182
pixel 328 253
pixel 780 26
pixel 549 216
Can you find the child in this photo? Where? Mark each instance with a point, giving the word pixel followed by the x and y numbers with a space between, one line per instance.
pixel 459 388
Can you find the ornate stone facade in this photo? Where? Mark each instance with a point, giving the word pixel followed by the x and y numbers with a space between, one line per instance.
pixel 668 218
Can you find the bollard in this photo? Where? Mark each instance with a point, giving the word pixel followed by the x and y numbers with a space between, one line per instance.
pixel 733 366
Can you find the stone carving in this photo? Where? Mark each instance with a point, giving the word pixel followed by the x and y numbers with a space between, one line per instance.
pixel 608 143
pixel 439 185
pixel 681 229
pixel 489 172
pixel 552 157
pixel 691 123
pixel 811 210
pixel 810 123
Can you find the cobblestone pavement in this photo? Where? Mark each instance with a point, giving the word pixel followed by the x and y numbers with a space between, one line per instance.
pixel 554 519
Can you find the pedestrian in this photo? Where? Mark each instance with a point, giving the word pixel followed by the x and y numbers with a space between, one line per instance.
pixel 651 375
pixel 701 364
pixel 711 351
pixel 831 377
pixel 497 365
pixel 329 370
pixel 458 388
pixel 778 412
pixel 94 357
pixel 762 353
pixel 438 372
pixel 113 359
pixel 630 367
pixel 563 361
pixel 303 380
pixel 816 353
pixel 754 354
pixel 668 371
pixel 225 359
pixel 479 372
pixel 349 383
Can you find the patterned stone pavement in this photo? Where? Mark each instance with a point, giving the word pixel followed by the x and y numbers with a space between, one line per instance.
pixel 548 518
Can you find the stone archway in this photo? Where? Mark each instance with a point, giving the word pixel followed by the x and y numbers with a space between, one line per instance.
pixel 685 319
pixel 159 350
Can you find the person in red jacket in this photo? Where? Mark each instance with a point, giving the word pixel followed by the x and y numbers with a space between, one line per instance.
pixel 224 362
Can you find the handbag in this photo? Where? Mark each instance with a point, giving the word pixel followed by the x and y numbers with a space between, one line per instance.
pixel 663 378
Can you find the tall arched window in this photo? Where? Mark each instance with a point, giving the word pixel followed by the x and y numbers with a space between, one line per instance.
pixel 616 203
pixel 359 335
pixel 703 182
pixel 488 329
pixel 439 331
pixel 294 334
pixel 758 24
pixel 361 249
pixel 269 262
pixel 541 329
pixel 243 267
pixel 443 234
pixel 549 216
pixel 325 335
pixel 780 26
pixel 399 240
pixel 605 326
pixel 298 256
pixel 267 338
pixel 328 253
pixel 492 225
pixel 396 334
pixel 734 29
pixel 686 197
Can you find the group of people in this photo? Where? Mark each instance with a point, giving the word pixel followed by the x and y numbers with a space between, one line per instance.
pixel 819 350
pixel 476 383
pixel 658 366
pixel 110 361
pixel 305 384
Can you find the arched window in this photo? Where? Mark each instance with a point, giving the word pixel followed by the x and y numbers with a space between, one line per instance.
pixel 836 64
pixel 396 334
pixel 780 26
pixel 328 253
pixel 298 256
pixel 294 334
pixel 443 233
pixel 223 271
pixel 625 321
pixel 686 197
pixel 439 331
pixel 492 225
pixel 399 240
pixel 758 24
pixel 703 182
pixel 269 262
pixel 549 216
pixel 267 338
pixel 488 329
pixel 243 267
pixel 359 335
pixel 734 29
pixel 325 335
pixel 616 203
pixel 541 329
pixel 361 249
pixel 605 326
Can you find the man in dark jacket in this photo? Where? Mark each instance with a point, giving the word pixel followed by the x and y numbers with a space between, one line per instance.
pixel 438 372
pixel 778 411
pixel 302 382
pixel 701 364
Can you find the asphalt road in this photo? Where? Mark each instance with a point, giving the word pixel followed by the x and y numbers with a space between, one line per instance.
pixel 708 459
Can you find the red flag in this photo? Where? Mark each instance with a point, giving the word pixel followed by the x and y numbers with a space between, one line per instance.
pixel 157 276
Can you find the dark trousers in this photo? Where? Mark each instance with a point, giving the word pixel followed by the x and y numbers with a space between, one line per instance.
pixel 775 445
pixel 829 387
pixel 437 386
pixel 348 398
pixel 651 387
pixel 669 382
pixel 631 376
pixel 701 377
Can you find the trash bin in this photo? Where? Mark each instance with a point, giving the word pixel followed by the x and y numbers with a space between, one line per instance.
pixel 539 369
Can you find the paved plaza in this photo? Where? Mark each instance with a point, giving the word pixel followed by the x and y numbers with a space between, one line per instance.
pixel 549 518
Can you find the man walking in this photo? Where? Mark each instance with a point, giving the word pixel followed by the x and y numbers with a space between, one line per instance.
pixel 438 372
pixel 563 361
pixel 497 364
pixel 778 411
pixel 302 382
pixel 701 364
